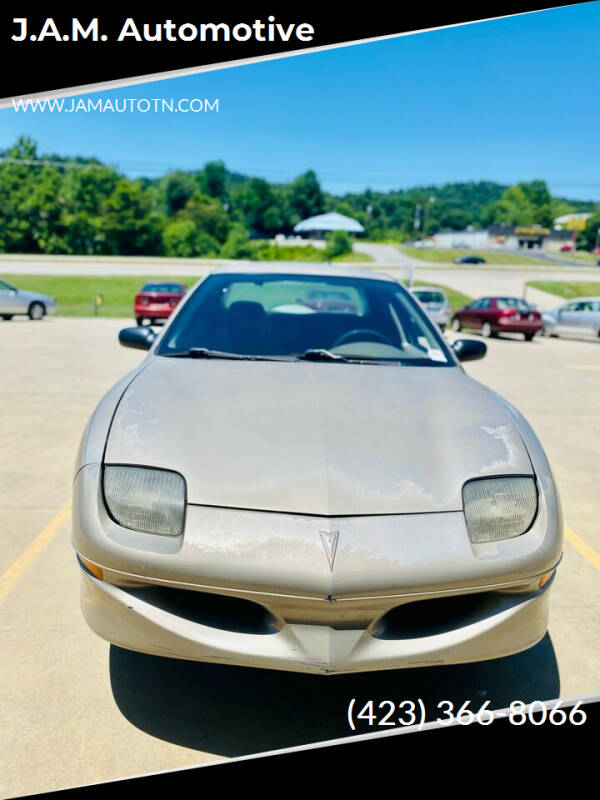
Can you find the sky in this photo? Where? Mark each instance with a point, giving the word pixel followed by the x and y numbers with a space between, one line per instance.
pixel 504 100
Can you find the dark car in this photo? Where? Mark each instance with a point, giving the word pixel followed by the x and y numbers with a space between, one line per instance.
pixel 493 315
pixel 469 260
pixel 157 300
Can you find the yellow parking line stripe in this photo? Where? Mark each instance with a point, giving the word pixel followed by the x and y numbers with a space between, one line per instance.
pixel 18 568
pixel 583 548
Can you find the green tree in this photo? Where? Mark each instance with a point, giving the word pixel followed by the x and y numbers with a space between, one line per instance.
pixel 306 197
pixel 129 224
pixel 587 239
pixel 177 188
pixel 213 180
pixel 513 208
pixel 237 244
pixel 258 202
pixel 183 239
pixel 338 244
pixel 208 215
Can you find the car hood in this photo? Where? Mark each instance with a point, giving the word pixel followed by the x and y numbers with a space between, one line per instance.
pixel 316 438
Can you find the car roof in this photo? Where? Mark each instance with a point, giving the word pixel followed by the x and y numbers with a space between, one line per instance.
pixel 426 289
pixel 328 270
pixel 594 298
pixel 164 280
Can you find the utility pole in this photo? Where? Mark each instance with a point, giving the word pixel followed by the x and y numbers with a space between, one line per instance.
pixel 417 222
pixel 430 200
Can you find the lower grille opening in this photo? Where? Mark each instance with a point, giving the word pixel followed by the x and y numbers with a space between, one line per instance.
pixel 232 614
pixel 432 617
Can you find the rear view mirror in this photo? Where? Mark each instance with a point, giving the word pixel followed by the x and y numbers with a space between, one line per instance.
pixel 140 337
pixel 469 349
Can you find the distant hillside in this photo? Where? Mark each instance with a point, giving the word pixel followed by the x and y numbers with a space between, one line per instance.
pixel 78 205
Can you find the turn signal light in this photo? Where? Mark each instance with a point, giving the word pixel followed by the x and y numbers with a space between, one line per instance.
pixel 93 568
pixel 545 578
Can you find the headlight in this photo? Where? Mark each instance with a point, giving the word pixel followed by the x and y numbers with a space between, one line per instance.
pixel 146 499
pixel 499 508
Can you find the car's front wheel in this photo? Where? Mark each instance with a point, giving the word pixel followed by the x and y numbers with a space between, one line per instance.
pixel 456 326
pixel 36 311
pixel 7 317
pixel 486 330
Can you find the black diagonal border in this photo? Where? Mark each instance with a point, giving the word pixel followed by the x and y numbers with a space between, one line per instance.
pixel 390 761
pixel 49 66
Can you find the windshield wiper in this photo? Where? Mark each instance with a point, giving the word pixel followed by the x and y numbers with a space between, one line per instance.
pixel 320 354
pixel 205 352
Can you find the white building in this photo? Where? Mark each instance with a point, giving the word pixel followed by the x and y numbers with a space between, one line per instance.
pixel 317 226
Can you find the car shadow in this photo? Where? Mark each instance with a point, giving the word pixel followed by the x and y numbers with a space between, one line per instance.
pixel 234 711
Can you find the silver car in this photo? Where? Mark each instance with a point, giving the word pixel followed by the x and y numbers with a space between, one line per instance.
pixel 434 301
pixel 15 301
pixel 579 317
pixel 311 490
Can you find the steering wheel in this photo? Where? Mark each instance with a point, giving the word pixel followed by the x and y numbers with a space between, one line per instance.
pixel 358 335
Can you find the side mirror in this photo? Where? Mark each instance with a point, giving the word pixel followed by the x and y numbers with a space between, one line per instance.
pixel 469 349
pixel 140 337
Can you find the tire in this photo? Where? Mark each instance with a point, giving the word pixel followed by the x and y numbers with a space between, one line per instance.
pixel 486 330
pixel 7 317
pixel 36 311
pixel 139 320
pixel 529 337
pixel 455 325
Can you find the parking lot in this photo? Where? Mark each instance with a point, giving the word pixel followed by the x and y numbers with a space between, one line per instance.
pixel 76 710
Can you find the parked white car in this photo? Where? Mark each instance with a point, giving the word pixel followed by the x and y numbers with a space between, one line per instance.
pixel 578 317
pixel 434 301
pixel 15 301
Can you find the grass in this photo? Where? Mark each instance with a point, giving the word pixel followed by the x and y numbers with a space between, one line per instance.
pixel 276 252
pixel 579 255
pixel 447 256
pixel 456 299
pixel 75 294
pixel 351 258
pixel 568 289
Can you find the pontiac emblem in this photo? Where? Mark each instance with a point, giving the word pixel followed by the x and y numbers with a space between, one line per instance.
pixel 330 542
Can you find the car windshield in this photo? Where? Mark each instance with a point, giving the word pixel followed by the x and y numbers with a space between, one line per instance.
pixel 291 316
pixel 163 288
pixel 425 296
pixel 513 302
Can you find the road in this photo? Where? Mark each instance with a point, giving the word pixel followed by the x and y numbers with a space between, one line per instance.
pixel 76 710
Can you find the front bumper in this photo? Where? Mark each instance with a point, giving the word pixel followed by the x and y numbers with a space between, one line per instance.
pixel 505 624
pixel 323 617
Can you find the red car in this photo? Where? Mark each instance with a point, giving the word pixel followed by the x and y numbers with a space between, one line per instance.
pixel 156 300
pixel 494 315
